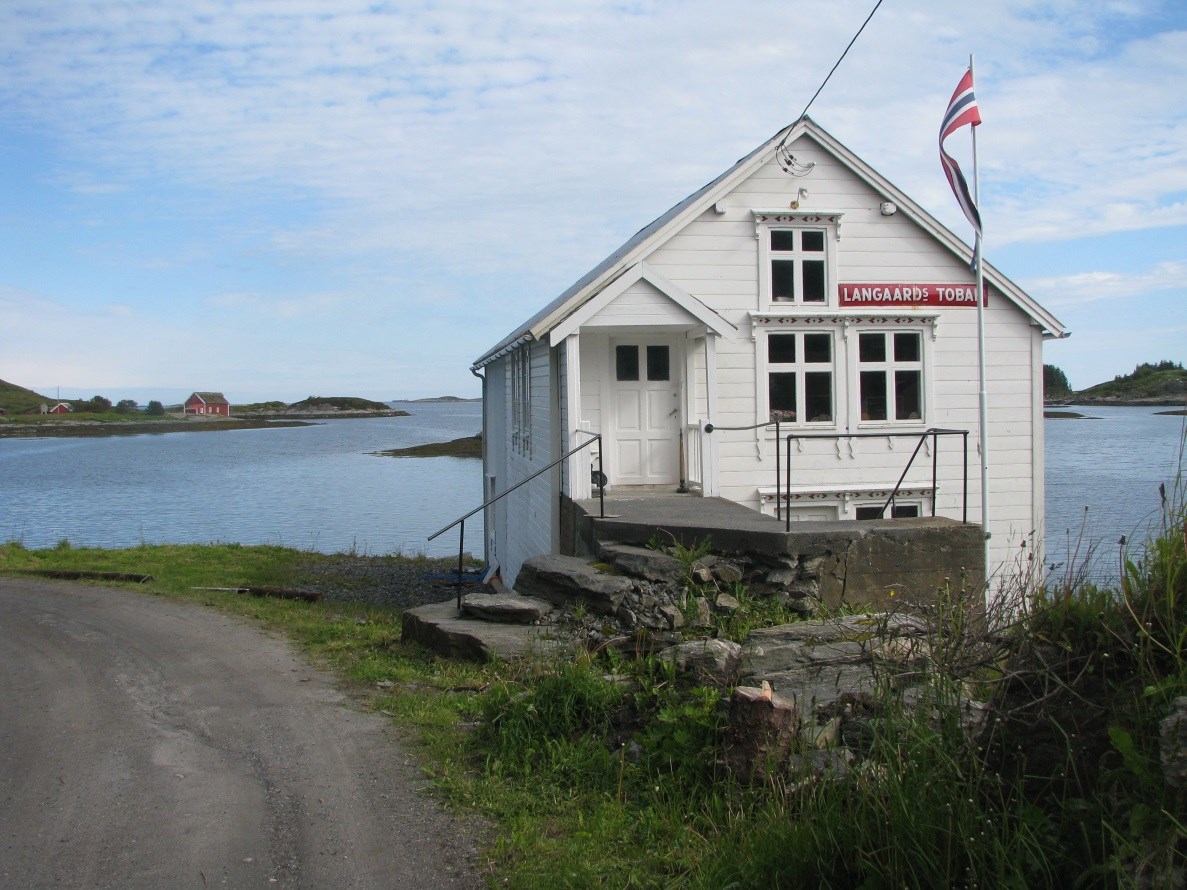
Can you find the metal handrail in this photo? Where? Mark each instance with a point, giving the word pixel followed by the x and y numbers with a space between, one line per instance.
pixel 934 432
pixel 710 427
pixel 461 521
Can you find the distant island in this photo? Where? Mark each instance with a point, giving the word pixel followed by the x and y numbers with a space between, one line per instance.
pixel 320 407
pixel 469 446
pixel 1163 383
pixel 435 399
pixel 24 412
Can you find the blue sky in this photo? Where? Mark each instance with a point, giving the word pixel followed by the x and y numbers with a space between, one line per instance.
pixel 294 197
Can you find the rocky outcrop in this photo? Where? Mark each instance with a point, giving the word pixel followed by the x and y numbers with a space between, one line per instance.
pixel 816 662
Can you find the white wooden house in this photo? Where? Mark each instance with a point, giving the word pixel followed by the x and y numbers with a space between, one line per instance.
pixel 826 298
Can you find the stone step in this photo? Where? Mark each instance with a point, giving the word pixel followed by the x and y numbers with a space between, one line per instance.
pixel 439 627
pixel 506 608
pixel 565 579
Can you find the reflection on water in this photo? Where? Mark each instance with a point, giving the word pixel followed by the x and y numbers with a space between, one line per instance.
pixel 312 487
pixel 1112 465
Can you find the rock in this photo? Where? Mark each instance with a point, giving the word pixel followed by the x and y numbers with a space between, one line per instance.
pixel 438 626
pixel 626 617
pixel 705 662
pixel 816 662
pixel 726 603
pixel 704 616
pixel 782 577
pixel 810 568
pixel 728 572
pixel 762 725
pixel 505 607
pixel 562 579
pixel 639 562
pixel 673 616
pixel 1172 742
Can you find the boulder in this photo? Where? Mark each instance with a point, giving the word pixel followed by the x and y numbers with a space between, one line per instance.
pixel 563 579
pixel 816 662
pixel 705 662
pixel 640 562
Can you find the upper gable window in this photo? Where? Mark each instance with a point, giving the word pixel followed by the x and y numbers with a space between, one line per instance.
pixel 799 266
pixel 797 258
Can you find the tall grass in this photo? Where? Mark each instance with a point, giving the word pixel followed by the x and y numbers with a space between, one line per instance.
pixel 610 773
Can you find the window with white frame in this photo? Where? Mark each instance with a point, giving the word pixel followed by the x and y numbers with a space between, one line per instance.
pixel 798 265
pixel 890 376
pixel 800 377
pixel 521 401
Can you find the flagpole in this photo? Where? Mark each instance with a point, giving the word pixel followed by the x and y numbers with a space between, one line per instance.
pixel 978 255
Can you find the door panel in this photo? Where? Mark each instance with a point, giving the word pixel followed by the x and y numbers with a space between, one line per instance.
pixel 646 418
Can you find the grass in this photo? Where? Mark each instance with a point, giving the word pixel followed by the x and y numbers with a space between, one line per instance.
pixel 609 773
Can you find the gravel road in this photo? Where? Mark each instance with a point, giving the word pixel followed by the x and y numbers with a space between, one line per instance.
pixel 146 743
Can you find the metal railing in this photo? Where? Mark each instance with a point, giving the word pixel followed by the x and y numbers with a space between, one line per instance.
pixel 598 476
pixel 933 433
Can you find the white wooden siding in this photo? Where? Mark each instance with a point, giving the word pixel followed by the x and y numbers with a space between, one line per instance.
pixel 716 259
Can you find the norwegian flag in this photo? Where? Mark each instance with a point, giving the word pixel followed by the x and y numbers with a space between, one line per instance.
pixel 962 111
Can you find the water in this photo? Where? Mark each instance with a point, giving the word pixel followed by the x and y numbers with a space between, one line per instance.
pixel 1113 465
pixel 313 487
pixel 317 487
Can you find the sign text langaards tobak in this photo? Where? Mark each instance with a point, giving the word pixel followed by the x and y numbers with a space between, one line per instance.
pixel 908 294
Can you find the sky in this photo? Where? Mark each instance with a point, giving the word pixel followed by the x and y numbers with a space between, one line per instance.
pixel 284 198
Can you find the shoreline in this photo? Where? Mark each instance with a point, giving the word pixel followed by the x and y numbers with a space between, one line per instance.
pixel 93 428
pixel 136 428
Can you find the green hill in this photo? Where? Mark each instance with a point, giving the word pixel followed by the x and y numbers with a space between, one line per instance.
pixel 1164 383
pixel 340 403
pixel 18 400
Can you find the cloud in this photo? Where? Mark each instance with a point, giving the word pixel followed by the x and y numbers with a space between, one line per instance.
pixel 1086 287
pixel 435 171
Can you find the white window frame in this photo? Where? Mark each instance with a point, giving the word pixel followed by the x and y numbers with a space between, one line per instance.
pixel 800 367
pixel 767 221
pixel 888 368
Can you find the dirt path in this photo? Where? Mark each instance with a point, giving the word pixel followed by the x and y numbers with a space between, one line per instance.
pixel 146 743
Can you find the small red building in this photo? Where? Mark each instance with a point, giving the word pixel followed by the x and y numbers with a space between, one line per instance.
pixel 208 403
pixel 60 408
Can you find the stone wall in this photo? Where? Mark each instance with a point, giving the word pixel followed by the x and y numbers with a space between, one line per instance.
pixel 880 563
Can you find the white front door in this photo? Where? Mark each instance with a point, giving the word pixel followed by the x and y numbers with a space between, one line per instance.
pixel 646 412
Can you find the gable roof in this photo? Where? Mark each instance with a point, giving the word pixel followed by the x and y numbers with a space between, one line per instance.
pixel 651 236
pixel 210 398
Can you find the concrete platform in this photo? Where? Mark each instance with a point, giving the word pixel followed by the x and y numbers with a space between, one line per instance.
pixel 635 517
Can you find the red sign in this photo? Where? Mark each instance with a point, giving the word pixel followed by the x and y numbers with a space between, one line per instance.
pixel 879 295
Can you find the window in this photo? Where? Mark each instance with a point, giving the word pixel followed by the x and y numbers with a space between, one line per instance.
pixel 897 511
pixel 890 376
pixel 798 265
pixel 800 377
pixel 521 401
pixel 626 362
